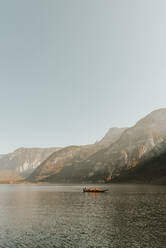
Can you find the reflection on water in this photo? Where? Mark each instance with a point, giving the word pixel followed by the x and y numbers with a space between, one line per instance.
pixel 63 216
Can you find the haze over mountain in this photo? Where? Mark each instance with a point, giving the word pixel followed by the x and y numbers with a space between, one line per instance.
pixel 111 136
pixel 107 163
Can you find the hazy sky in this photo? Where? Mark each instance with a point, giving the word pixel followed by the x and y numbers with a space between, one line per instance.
pixel 71 69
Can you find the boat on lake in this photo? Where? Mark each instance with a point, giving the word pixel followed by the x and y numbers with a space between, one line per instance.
pixel 94 190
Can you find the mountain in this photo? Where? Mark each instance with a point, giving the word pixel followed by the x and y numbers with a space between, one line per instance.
pixel 22 162
pixel 126 152
pixel 60 159
pixel 150 169
pixel 71 155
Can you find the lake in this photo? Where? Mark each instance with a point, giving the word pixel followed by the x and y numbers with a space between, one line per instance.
pixel 62 216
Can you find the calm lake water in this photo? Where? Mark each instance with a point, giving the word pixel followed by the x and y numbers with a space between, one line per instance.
pixel 63 216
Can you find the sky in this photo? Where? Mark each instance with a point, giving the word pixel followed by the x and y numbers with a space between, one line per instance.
pixel 71 69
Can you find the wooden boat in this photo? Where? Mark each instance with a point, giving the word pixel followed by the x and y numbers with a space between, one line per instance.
pixel 94 190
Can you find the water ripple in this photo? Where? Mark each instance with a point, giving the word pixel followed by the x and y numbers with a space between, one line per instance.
pixel 63 216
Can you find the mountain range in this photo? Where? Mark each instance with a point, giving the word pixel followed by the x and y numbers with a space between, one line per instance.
pixel 120 152
pixel 134 154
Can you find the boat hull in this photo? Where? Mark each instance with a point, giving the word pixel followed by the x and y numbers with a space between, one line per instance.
pixel 95 190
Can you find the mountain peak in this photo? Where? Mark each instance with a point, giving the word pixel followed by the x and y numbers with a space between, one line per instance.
pixel 111 136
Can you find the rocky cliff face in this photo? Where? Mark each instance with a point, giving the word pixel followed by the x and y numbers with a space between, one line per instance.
pixel 22 161
pixel 124 153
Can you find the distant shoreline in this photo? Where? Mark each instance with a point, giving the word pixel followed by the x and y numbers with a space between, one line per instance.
pixel 82 183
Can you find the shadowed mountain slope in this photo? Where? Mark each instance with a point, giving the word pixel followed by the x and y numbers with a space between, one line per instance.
pixel 151 168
